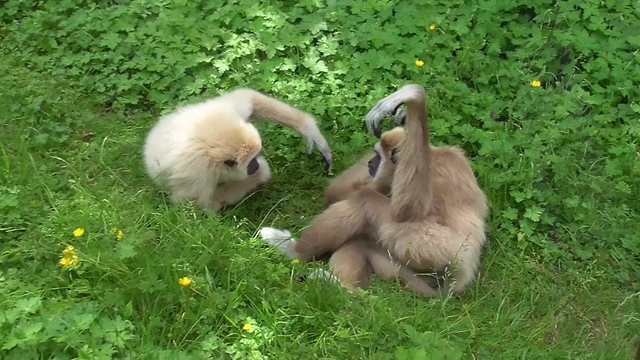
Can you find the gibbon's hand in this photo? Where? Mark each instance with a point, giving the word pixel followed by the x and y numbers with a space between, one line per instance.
pixel 315 138
pixel 391 105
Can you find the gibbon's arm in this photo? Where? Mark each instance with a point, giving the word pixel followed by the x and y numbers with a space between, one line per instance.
pixel 413 172
pixel 255 105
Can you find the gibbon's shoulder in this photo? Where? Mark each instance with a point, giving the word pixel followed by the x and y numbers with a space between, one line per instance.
pixel 206 118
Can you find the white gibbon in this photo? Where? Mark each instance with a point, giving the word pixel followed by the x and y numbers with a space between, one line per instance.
pixel 411 211
pixel 209 152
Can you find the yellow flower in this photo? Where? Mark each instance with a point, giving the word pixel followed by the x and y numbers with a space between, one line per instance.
pixel 295 261
pixel 120 235
pixel 535 83
pixel 65 262
pixel 432 27
pixel 78 232
pixel 69 251
pixel 70 261
pixel 247 327
pixel 185 281
pixel 419 63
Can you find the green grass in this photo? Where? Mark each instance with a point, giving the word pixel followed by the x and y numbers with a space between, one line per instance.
pixel 81 86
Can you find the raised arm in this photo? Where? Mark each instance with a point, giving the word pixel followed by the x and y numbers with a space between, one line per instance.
pixel 256 106
pixel 413 172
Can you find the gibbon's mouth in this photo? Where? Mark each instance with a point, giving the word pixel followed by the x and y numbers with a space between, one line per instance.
pixel 253 166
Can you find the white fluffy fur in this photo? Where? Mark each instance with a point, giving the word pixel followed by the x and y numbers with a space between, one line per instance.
pixel 186 151
pixel 175 159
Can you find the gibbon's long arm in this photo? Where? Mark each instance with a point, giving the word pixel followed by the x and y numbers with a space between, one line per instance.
pixel 413 174
pixel 252 104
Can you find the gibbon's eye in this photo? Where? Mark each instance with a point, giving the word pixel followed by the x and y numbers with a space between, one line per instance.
pixel 230 163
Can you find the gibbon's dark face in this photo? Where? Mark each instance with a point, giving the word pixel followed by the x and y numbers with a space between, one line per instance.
pixel 253 166
pixel 374 164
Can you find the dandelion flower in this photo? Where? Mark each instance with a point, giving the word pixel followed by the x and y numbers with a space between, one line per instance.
pixel 419 63
pixel 432 27
pixel 247 327
pixel 78 232
pixel 295 261
pixel 120 235
pixel 185 281
pixel 535 83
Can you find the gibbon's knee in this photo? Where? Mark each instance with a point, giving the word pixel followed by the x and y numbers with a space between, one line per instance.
pixel 351 266
pixel 465 271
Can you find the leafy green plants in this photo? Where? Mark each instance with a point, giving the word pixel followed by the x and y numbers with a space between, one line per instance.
pixel 541 94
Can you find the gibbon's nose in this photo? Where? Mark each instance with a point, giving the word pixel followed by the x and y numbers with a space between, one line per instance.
pixel 253 166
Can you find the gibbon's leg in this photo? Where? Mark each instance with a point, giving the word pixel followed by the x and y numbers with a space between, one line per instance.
pixel 368 214
pixel 342 221
pixel 252 104
pixel 354 262
pixel 350 264
pixel 232 192
pixel 385 265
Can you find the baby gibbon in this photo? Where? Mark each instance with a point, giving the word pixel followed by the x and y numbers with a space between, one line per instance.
pixel 209 152
pixel 420 212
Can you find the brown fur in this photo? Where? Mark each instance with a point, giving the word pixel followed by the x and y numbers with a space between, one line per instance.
pixel 434 220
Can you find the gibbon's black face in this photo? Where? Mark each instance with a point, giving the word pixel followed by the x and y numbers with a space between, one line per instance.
pixel 374 164
pixel 253 166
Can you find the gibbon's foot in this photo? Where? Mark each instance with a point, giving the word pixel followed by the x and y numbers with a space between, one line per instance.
pixel 321 274
pixel 391 105
pixel 281 240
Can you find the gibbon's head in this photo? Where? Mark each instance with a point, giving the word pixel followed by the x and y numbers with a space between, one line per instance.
pixel 383 164
pixel 232 148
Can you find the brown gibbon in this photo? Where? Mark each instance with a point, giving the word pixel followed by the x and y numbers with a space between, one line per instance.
pixel 209 152
pixel 411 211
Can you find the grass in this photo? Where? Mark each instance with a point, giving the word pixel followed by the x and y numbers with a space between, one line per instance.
pixel 559 163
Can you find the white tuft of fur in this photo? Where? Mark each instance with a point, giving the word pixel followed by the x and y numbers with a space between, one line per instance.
pixel 280 239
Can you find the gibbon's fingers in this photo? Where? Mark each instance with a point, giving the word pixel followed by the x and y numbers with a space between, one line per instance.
pixel 390 105
pixel 281 240
pixel 315 138
pixel 400 117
